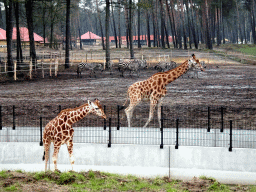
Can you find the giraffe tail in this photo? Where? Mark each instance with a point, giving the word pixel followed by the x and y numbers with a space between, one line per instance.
pixel 44 156
pixel 122 107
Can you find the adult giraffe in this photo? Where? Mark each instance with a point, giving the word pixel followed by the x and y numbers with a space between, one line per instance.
pixel 59 130
pixel 154 89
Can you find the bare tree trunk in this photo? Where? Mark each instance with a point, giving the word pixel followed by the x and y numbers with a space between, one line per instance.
pixel 29 14
pixel 167 36
pixel 193 26
pixel 19 49
pixel 114 24
pixel 107 33
pixel 127 24
pixel 131 30
pixel 183 25
pixel 139 44
pixel 119 24
pixel 171 23
pixel 79 30
pixel 67 35
pixel 148 30
pixel 208 26
pixel 253 23
pixel 44 23
pixel 174 25
pixel 162 24
pixel 101 28
pixel 189 24
pixel 9 27
pixel 51 26
pixel 239 24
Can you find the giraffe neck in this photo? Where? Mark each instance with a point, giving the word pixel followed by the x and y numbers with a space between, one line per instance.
pixel 173 74
pixel 77 113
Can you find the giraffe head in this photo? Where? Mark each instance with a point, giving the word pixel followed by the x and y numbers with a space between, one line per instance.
pixel 193 62
pixel 96 108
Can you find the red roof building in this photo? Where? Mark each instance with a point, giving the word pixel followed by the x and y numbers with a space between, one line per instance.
pixel 90 38
pixel 24 35
pixel 90 35
pixel 2 34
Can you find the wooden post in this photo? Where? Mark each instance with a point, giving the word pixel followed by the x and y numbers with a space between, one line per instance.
pixel 208 57
pixel 15 73
pixel 104 63
pixel 30 69
pixel 5 66
pixel 50 69
pixel 56 67
pixel 42 68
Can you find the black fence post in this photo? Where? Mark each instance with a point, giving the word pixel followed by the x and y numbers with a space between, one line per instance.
pixel 230 146
pixel 104 121
pixel 162 133
pixel 13 119
pixel 162 113
pixel 59 108
pixel 118 117
pixel 209 119
pixel 177 134
pixel 222 119
pixel 41 131
pixel 1 123
pixel 109 135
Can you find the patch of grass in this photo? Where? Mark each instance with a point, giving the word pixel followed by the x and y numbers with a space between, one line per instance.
pixel 11 188
pixel 66 178
pixel 3 174
pixel 253 188
pixel 40 175
pixel 19 171
pixel 207 178
pixel 216 186
pixel 91 174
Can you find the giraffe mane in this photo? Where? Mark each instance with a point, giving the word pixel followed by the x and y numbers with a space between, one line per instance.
pixel 71 109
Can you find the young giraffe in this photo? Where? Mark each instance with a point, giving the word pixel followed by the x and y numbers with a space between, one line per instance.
pixel 59 130
pixel 154 89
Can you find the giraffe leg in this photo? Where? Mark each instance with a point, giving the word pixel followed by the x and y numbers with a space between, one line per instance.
pixel 129 111
pixel 55 155
pixel 46 153
pixel 151 111
pixel 70 151
pixel 159 110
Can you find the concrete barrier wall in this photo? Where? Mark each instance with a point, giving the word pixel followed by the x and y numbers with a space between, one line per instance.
pixel 146 159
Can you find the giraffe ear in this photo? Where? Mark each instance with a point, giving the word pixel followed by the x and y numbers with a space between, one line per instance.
pixel 89 102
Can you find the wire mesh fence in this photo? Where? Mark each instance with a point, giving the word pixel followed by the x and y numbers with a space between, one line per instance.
pixel 181 126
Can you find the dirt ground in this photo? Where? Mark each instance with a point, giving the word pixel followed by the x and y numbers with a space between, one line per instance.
pixel 228 84
pixel 19 181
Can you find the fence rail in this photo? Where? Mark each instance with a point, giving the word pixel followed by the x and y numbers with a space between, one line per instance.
pixel 53 61
pixel 212 127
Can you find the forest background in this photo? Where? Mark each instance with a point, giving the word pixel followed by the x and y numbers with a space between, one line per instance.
pixel 189 22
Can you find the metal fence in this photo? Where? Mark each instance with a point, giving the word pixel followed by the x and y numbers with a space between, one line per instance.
pixel 180 126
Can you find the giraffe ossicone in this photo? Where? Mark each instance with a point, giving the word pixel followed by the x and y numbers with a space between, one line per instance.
pixel 154 89
pixel 59 130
